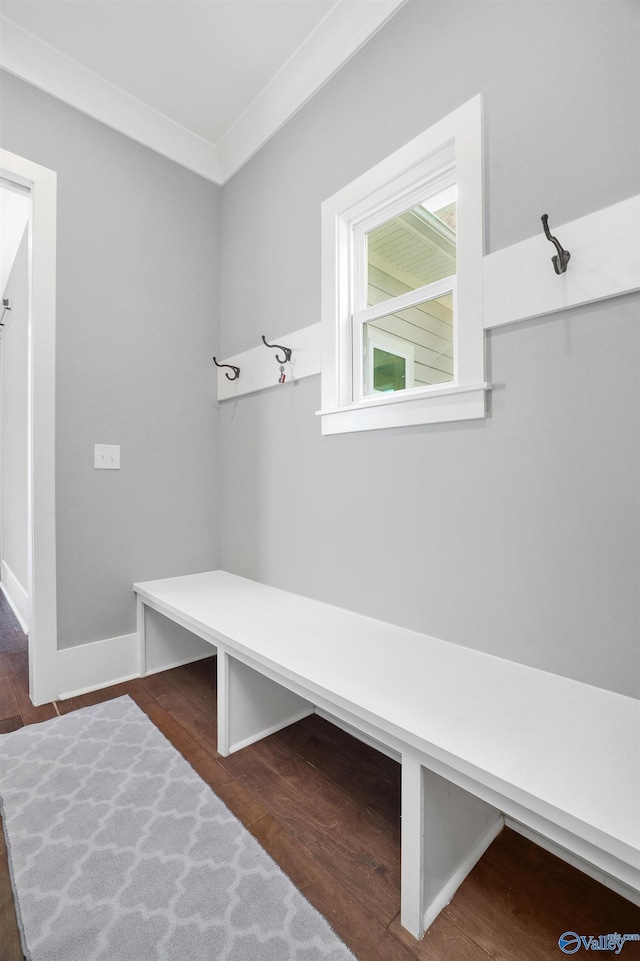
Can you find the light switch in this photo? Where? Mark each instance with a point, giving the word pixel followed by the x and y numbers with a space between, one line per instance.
pixel 106 456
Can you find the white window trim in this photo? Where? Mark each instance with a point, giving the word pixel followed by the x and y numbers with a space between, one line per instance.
pixel 388 187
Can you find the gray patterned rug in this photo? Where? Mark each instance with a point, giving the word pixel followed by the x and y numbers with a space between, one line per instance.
pixel 119 852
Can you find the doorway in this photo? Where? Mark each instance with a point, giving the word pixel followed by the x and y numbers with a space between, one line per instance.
pixel 39 185
pixel 15 206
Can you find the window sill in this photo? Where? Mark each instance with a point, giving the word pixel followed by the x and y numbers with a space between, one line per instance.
pixel 431 406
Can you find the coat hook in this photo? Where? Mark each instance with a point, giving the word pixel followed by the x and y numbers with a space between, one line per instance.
pixel 286 351
pixel 236 370
pixel 562 259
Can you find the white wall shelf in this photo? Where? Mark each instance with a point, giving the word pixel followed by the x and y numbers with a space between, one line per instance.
pixel 259 368
pixel 519 284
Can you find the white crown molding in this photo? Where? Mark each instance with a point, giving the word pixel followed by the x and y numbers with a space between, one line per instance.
pixel 338 37
pixel 45 67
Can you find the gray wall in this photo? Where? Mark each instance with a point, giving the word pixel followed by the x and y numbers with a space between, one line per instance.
pixel 518 535
pixel 13 420
pixel 137 320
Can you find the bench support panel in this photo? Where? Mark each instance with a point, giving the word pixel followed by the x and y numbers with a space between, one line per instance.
pixel 445 831
pixel 142 634
pixel 252 706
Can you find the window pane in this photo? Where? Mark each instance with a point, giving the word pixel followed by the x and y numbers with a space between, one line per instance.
pixel 416 248
pixel 389 371
pixel 410 348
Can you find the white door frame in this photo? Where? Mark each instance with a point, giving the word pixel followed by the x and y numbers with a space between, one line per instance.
pixel 43 642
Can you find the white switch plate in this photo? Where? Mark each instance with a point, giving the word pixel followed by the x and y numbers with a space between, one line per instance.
pixel 106 456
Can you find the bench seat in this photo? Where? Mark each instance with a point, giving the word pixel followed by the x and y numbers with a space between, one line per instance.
pixel 479 737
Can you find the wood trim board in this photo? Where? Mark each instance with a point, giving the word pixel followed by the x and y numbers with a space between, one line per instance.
pixel 519 284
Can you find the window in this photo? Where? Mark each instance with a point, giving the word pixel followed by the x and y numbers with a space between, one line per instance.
pixel 403 335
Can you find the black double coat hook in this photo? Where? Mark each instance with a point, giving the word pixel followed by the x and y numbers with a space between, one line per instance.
pixel 285 350
pixel 236 370
pixel 561 260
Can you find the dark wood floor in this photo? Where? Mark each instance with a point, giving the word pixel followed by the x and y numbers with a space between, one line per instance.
pixel 326 808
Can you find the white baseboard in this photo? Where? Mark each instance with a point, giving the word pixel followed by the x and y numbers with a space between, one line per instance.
pixel 95 687
pixel 89 667
pixel 180 662
pixel 130 677
pixel 114 660
pixel 15 594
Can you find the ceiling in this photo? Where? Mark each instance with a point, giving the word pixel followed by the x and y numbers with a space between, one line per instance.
pixel 204 82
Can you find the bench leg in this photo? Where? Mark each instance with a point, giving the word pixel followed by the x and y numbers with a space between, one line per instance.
pixel 142 641
pixel 251 706
pixel 445 831
pixel 412 851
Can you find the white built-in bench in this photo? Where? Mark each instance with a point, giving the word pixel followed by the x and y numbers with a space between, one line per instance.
pixel 480 738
